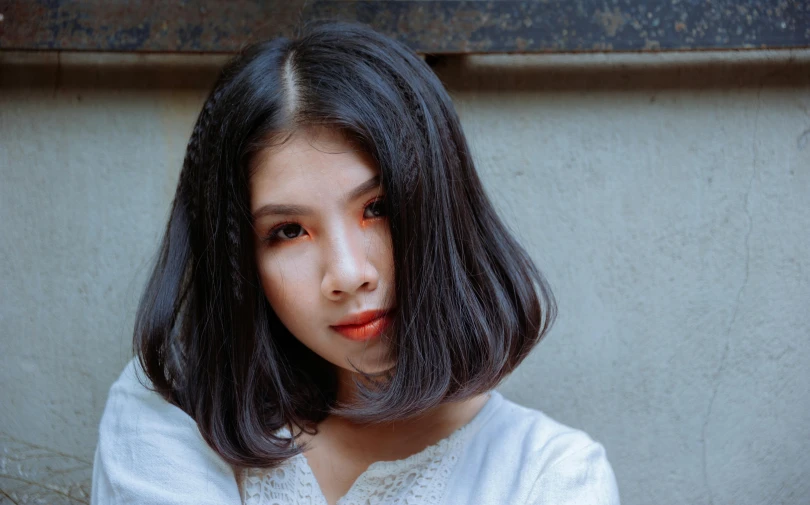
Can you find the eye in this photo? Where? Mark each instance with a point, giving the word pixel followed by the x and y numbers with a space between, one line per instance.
pixel 374 209
pixel 287 231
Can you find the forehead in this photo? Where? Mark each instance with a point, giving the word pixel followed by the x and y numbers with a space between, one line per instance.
pixel 316 164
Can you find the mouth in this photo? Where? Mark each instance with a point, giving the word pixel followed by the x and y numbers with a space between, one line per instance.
pixel 363 325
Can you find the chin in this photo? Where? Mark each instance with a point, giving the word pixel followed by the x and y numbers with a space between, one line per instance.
pixel 367 365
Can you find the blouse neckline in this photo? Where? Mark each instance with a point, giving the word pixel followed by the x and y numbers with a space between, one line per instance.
pixel 379 469
pixel 463 432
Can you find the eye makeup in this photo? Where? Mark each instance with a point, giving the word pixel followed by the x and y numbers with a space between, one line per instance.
pixel 377 208
pixel 289 231
pixel 282 232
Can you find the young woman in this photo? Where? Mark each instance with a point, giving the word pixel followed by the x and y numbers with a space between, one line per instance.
pixel 333 304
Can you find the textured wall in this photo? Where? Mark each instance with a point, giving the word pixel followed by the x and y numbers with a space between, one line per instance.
pixel 666 197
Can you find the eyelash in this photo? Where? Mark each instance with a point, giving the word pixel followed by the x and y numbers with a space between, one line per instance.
pixel 273 237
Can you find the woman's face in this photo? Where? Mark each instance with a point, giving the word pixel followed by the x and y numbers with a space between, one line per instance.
pixel 323 246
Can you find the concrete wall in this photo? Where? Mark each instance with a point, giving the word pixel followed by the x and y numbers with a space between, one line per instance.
pixel 666 197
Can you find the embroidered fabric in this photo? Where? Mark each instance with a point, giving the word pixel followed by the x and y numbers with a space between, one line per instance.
pixel 285 485
pixel 418 479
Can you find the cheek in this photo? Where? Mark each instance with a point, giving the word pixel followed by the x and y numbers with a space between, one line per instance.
pixel 287 281
pixel 383 252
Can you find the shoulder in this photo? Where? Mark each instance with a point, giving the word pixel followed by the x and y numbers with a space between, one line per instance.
pixel 150 451
pixel 558 463
pixel 134 409
pixel 541 439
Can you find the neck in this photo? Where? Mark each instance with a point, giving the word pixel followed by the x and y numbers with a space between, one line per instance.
pixel 398 439
pixel 346 389
pixel 442 419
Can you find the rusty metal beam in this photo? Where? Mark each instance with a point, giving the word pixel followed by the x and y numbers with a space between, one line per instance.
pixel 435 27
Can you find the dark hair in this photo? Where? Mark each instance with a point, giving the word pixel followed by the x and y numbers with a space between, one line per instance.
pixel 470 302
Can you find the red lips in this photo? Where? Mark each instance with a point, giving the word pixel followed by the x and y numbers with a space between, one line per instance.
pixel 363 325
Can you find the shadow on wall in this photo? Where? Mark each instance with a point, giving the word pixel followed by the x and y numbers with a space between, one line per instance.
pixel 482 73
pixel 109 71
pixel 625 72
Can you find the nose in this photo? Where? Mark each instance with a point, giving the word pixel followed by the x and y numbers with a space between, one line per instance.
pixel 349 266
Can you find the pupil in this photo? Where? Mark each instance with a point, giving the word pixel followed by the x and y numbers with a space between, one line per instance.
pixel 290 231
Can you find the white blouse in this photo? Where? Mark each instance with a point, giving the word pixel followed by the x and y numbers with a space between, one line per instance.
pixel 151 452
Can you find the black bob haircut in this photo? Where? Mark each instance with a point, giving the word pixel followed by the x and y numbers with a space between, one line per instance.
pixel 470 304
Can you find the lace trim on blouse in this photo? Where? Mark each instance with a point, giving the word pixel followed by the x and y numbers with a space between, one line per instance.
pixel 418 479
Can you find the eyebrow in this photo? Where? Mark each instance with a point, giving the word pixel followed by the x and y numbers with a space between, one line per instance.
pixel 274 209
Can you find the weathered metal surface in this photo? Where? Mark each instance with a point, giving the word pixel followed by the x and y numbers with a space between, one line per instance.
pixel 436 27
